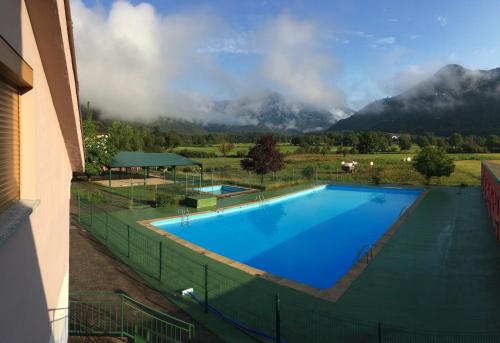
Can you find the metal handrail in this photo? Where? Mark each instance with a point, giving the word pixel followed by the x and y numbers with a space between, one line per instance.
pixel 365 250
pixel 128 313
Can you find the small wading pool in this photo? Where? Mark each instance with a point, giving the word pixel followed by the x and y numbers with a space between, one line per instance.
pixel 223 189
pixel 312 237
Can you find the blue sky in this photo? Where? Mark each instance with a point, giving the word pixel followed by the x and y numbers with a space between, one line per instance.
pixel 365 49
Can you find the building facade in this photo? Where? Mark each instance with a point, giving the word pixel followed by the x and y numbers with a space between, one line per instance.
pixel 40 147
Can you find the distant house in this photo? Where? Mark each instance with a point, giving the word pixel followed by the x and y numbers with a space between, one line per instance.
pixel 40 147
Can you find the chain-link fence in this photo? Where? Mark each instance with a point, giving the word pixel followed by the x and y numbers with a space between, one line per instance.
pixel 245 301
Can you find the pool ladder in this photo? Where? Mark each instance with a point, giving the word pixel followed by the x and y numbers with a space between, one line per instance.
pixel 260 198
pixel 403 209
pixel 366 252
pixel 184 213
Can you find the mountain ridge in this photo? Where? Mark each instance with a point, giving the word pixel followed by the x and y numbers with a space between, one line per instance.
pixel 454 99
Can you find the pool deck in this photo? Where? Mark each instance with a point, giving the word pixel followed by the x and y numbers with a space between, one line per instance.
pixel 332 293
pixel 440 271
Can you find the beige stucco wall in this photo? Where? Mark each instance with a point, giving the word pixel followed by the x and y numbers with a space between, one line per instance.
pixel 34 261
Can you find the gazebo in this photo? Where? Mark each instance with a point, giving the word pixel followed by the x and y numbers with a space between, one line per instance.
pixel 146 160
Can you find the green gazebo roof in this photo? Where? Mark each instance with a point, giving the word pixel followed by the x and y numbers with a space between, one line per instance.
pixel 150 159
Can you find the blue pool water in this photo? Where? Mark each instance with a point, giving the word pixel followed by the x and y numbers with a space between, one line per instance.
pixel 221 189
pixel 312 237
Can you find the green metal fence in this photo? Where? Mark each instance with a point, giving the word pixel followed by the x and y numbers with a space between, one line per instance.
pixel 247 303
pixel 117 315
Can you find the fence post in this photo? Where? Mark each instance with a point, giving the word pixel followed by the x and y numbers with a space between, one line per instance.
pixel 106 237
pixel 121 313
pixel 156 195
pixel 206 289
pixel 159 278
pixel 278 319
pixel 379 332
pixel 79 210
pixel 91 213
pixel 128 241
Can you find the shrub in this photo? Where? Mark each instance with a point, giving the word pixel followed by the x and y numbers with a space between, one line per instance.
pixel 165 199
pixel 376 175
pixel 240 154
pixel 308 172
pixel 198 154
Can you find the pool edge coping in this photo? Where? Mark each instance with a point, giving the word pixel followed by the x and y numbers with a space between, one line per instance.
pixel 332 294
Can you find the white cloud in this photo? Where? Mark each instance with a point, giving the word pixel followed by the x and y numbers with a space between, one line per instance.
pixel 294 60
pixel 415 36
pixel 442 20
pixel 408 77
pixel 130 59
pixel 394 20
pixel 386 40
pixel 363 34
pixel 236 44
pixel 135 63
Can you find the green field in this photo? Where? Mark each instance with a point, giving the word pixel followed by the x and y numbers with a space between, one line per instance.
pixel 243 147
pixel 390 168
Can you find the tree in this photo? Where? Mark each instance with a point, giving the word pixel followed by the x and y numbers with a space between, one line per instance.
pixel 368 143
pixel 431 161
pixel 263 157
pixel 326 150
pixel 404 142
pixel 456 140
pixel 98 148
pixel 226 147
pixel 297 140
pixel 493 143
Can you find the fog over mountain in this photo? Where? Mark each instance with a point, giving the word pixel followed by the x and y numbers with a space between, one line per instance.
pixel 274 111
pixel 138 64
pixel 454 99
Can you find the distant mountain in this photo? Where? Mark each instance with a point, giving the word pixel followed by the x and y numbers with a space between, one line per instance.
pixel 182 127
pixel 272 111
pixel 455 99
pixel 263 112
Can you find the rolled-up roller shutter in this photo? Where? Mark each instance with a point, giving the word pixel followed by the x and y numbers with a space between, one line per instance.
pixel 9 145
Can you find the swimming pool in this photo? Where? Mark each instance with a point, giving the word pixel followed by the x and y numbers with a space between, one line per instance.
pixel 312 237
pixel 222 189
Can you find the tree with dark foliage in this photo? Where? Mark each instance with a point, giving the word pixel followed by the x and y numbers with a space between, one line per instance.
pixel 263 157
pixel 404 142
pixel 431 161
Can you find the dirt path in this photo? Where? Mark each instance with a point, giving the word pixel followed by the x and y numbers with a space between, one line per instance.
pixel 94 268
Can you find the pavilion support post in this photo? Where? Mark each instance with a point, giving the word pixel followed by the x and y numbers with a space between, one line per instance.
pixel 144 176
pixel 201 174
pixel 174 174
pixel 109 177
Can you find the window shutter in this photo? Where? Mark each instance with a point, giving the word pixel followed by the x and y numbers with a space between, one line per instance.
pixel 9 145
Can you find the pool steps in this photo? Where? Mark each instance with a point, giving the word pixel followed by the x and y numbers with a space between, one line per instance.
pixel 183 212
pixel 365 251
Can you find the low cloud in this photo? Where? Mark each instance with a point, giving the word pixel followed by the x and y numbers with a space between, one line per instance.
pixel 137 64
pixel 130 59
pixel 295 62
pixel 408 77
